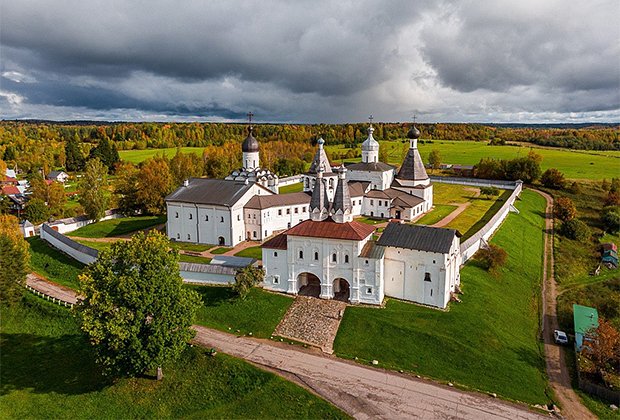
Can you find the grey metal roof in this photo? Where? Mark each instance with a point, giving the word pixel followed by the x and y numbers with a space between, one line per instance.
pixel 418 237
pixel 372 250
pixel 342 198
pixel 319 198
pixel 210 191
pixel 250 144
pixel 358 189
pixel 230 261
pixel 412 168
pixel 370 167
pixel 276 200
pixel 320 161
pixel 207 268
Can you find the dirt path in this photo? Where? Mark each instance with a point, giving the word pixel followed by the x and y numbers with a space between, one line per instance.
pixel 458 210
pixel 557 371
pixel 48 288
pixel 363 392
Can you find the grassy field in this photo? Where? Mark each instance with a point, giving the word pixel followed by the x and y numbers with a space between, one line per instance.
pixel 488 342
pixel 574 164
pixel 258 314
pixel 186 246
pixel 137 156
pixel 287 189
pixel 117 227
pixel 100 246
pixel 252 252
pixel 220 250
pixel 439 212
pixel 48 371
pixel 53 264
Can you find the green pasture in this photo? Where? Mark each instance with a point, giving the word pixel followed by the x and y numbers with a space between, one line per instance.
pixel 488 342
pixel 137 156
pixel 117 227
pixel 49 371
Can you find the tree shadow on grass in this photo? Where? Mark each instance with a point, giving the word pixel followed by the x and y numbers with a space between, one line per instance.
pixel 215 296
pixel 64 365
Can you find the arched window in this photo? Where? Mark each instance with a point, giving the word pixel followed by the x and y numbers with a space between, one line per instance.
pixel 334 257
pixel 189 238
pixel 176 215
pixel 301 255
pixel 316 256
pixel 206 218
pixel 346 259
pixel 190 216
pixel 275 253
pixel 178 236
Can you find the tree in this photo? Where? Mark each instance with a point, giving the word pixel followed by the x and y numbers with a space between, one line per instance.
pixel 564 209
pixel 527 169
pixel 434 159
pixel 489 191
pixel 74 159
pixel 493 258
pixel 603 348
pixel 575 229
pixel 106 152
pixel 552 178
pixel 383 154
pixel 126 187
pixel 36 211
pixel 613 198
pixel 92 187
pixel 53 194
pixel 154 184
pixel 14 260
pixel 611 219
pixel 184 166
pixel 2 170
pixel 133 306
pixel 246 278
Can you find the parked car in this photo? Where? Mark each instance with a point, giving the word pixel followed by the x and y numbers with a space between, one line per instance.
pixel 560 337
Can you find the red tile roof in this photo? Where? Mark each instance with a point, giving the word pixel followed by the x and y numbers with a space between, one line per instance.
pixel 277 242
pixel 353 231
pixel 8 180
pixel 10 190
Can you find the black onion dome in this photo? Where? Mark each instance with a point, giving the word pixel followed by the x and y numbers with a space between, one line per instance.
pixel 250 144
pixel 413 133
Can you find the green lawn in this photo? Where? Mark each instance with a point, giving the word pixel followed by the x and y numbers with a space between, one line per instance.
pixel 117 227
pixel 574 164
pixel 258 314
pixel 252 252
pixel 99 246
pixel 194 259
pixel 479 212
pixel 53 264
pixel 48 371
pixel 439 212
pixel 137 156
pixel 220 250
pixel 369 220
pixel 292 188
pixel 488 342
pixel 186 246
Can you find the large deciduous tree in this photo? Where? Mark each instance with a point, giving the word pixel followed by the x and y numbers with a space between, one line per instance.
pixel 184 166
pixel 154 183
pixel 74 159
pixel 246 278
pixel 92 187
pixel 603 348
pixel 133 306
pixel 434 159
pixel 564 209
pixel 14 260
pixel 553 178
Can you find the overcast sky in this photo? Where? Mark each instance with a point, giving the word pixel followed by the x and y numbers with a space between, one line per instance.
pixel 311 61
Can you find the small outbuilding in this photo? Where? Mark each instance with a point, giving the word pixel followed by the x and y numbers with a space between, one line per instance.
pixel 27 229
pixel 58 176
pixel 585 319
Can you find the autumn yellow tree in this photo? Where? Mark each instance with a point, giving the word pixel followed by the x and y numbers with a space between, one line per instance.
pixel 154 184
pixel 14 259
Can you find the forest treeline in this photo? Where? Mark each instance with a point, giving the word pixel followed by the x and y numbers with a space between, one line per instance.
pixel 33 143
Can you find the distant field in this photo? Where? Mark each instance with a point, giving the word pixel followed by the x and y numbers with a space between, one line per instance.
pixel 117 227
pixel 137 156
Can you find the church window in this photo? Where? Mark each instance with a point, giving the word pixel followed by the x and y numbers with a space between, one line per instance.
pixel 222 219
pixel 254 216
pixel 431 292
pixel 177 215
pixel 276 279
pixel 346 259
pixel 303 210
pixel 288 225
pixel 288 211
pixel 366 262
pixel 372 213
pixel 427 276
pixel 372 202
pixel 369 290
pixel 296 210
pixel 275 254
pixel 206 218
pixel 280 212
pixel 178 236
pixel 266 234
pixel 316 256
pixel 189 238
pixel 434 262
pixel 190 216
pixel 301 255
pixel 334 257
pixel 238 217
pixel 381 214
pixel 254 234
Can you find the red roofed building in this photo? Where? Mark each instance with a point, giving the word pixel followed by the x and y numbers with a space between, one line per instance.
pixel 10 190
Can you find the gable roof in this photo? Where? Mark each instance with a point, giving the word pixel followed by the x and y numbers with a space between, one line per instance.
pixel 277 242
pixel 266 201
pixel 10 190
pixel 211 191
pixel 418 237
pixel 370 167
pixel 372 250
pixel 352 231
pixel 358 189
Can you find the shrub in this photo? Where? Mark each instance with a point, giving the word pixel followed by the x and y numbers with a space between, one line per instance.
pixel 613 198
pixel 246 278
pixel 493 257
pixel 575 188
pixel 552 178
pixel 489 191
pixel 575 229
pixel 564 209
pixel 611 219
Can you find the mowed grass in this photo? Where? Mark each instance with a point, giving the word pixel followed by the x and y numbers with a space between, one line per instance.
pixel 488 341
pixel 102 246
pixel 137 156
pixel 438 213
pixel 258 314
pixel 53 264
pixel 220 250
pixel 574 164
pixel 48 371
pixel 252 252
pixel 117 227
pixel 293 188
pixel 194 259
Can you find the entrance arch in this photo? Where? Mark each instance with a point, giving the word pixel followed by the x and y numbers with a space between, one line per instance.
pixel 342 290
pixel 309 285
pixel 221 240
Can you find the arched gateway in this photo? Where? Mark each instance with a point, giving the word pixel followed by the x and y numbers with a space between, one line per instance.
pixel 309 285
pixel 342 290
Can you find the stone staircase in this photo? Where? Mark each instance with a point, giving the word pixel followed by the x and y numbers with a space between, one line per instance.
pixel 312 321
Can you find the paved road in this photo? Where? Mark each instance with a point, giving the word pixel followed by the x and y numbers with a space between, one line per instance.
pixel 557 371
pixel 363 392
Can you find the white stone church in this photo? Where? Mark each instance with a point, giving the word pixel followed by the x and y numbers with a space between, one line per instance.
pixel 314 246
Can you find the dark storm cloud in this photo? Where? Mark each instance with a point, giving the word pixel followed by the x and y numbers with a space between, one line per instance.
pixel 308 60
